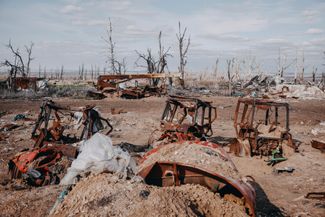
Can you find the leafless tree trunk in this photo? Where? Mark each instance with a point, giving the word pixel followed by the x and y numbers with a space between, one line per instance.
pixel 283 65
pixel 92 72
pixel 29 57
pixel 152 65
pixel 117 67
pixel 303 66
pixel 183 45
pixel 39 70
pixel 81 72
pixel 44 72
pixel 18 65
pixel 149 60
pixel 216 69
pixel 229 69
pixel 162 63
pixel 314 73
pixel 61 72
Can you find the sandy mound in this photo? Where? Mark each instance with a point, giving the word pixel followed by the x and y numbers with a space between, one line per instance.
pixel 189 153
pixel 107 195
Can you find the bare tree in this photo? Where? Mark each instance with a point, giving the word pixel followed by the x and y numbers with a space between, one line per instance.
pixel 230 66
pixel 148 59
pixel 183 45
pixel 151 64
pixel 61 72
pixel 216 69
pixel 282 63
pixel 162 62
pixel 117 67
pixel 251 66
pixel 17 66
pixel 314 73
pixel 322 82
pixel 29 57
pixel 300 67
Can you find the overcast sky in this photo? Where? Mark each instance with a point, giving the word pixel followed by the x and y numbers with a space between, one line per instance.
pixel 69 32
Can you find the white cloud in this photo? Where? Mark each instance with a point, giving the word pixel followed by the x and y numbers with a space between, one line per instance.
pixel 314 31
pixel 68 9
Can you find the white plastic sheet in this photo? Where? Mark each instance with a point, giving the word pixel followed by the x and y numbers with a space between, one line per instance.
pixel 98 155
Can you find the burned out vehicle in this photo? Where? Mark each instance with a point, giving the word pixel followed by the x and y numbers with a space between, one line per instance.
pixel 62 124
pixel 113 83
pixel 185 118
pixel 262 127
pixel 56 129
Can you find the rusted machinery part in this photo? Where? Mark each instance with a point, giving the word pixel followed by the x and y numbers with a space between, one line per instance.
pixel 316 195
pixel 318 145
pixel 174 174
pixel 39 160
pixel 25 82
pixel 91 120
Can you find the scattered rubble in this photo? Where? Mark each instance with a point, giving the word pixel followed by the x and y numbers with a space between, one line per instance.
pixel 9 127
pixel 283 169
pixel 272 87
pixel 316 195
pixel 172 172
pixel 318 145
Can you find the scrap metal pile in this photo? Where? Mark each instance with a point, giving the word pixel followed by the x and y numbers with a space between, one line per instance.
pixel 116 84
pixel 54 133
pixel 22 83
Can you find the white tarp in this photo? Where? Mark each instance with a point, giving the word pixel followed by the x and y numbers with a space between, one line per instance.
pixel 99 155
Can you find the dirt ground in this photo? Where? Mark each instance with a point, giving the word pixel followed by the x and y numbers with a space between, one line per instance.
pixel 277 194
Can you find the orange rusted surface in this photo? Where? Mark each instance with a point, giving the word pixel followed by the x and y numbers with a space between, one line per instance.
pixel 177 164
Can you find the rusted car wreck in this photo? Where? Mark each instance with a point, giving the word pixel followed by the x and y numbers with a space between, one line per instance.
pixel 262 127
pixel 112 83
pixel 185 118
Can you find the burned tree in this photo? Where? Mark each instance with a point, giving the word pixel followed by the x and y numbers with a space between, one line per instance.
pixel 29 57
pixel 148 59
pixel 162 63
pixel 314 74
pixel 322 82
pixel 216 69
pixel 283 65
pixel 151 64
pixel 183 45
pixel 18 66
pixel 117 67
pixel 230 65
